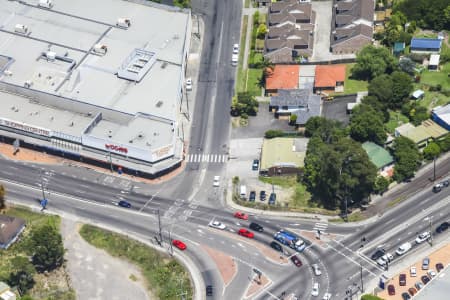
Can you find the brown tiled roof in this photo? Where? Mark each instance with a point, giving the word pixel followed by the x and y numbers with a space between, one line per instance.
pixel 341 35
pixel 282 55
pixel 290 11
pixel 9 228
pixel 280 5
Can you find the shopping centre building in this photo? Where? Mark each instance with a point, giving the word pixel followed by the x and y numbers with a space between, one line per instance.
pixel 96 81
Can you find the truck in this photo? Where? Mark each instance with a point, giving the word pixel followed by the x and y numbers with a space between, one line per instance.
pixel 290 239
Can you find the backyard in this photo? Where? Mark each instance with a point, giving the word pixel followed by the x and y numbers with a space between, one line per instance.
pixel 352 86
pixel 435 79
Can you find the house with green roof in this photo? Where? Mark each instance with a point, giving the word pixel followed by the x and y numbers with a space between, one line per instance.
pixel 379 156
pixel 399 48
pixel 282 156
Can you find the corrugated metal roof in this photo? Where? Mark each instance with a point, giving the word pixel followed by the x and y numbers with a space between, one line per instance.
pixel 379 156
pixel 424 43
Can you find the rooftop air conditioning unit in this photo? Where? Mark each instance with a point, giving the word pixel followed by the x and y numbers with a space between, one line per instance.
pixel 100 49
pixel 45 3
pixel 28 83
pixel 19 28
pixel 123 22
pixel 50 55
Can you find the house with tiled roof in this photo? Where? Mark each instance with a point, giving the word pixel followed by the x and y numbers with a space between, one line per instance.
pixel 282 77
pixel 290 31
pixel 352 25
pixel 10 229
pixel 329 78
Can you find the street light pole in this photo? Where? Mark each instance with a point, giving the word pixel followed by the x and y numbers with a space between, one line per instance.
pixel 434 168
pixel 431 233
pixel 361 275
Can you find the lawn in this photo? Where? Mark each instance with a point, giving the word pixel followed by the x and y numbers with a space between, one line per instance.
pixel 241 74
pixel 253 79
pixel 433 99
pixel 282 181
pixel 434 78
pixel 395 120
pixel 352 86
pixel 166 277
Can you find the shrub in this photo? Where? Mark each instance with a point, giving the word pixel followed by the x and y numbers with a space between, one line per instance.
pixel 270 134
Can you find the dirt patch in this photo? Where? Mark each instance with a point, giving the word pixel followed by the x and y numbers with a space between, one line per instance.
pixel 225 263
pixel 257 285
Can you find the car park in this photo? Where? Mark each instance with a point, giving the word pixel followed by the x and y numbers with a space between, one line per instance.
pixel 431 273
pixel 413 272
pixel 241 215
pixel 402 279
pixel 262 195
pixel 216 182
pixel 327 296
pixel 255 165
pixel 418 285
pixel 125 204
pixel 272 198
pixel 246 233
pixel 439 267
pixel 443 227
pixel 217 224
pixel 209 290
pixel 425 263
pixel 387 258
pixel 406 296
pixel 189 84
pixel 276 246
pixel 423 237
pixel 391 290
pixel 252 196
pixel 315 289
pixel 235 48
pixel 377 254
pixel 296 260
pixel 412 291
pixel 256 227
pixel 179 244
pixel 316 269
pixel 425 279
pixel 405 247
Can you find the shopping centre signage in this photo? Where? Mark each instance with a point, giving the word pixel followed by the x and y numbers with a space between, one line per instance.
pixel 25 127
pixel 116 148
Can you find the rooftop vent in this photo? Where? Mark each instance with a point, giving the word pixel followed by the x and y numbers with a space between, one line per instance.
pixel 22 29
pixel 164 65
pixel 45 3
pixel 28 83
pixel 100 49
pixel 123 22
pixel 159 104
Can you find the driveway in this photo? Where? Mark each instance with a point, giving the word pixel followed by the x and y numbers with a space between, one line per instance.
pixel 337 109
pixel 259 124
pixel 95 275
pixel 322 31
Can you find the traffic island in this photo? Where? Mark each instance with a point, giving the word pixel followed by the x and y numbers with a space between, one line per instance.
pixel 225 264
pixel 257 284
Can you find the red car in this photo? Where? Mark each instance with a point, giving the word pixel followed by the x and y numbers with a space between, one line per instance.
pixel 296 261
pixel 391 290
pixel 241 216
pixel 246 233
pixel 179 244
pixel 402 280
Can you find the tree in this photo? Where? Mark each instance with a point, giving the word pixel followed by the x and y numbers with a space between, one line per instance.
pixel 293 119
pixel 370 297
pixel 244 103
pixel 431 151
pixel 21 274
pixel 401 89
pixel 372 62
pixel 407 65
pixel 2 197
pixel 407 158
pixel 328 130
pixel 427 14
pixel 444 144
pixel 366 124
pixel 48 248
pixel 262 30
pixel 379 106
pixel 270 134
pixel 416 113
pixel 381 87
pixel 381 185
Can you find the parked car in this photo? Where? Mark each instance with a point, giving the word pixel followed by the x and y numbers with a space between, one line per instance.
pixel 418 285
pixel 412 291
pixel 217 224
pixel 252 196
pixel 425 263
pixel 256 227
pixel 439 267
pixel 425 279
pixel 276 246
pixel 216 182
pixel 437 188
pixel 179 244
pixel 246 233
pixel 413 272
pixel 315 289
pixel 272 198
pixel 327 296
pixel 423 237
pixel 402 279
pixel 391 290
pixel 443 227
pixel 406 296
pixel 240 215
pixel 387 258
pixel 234 60
pixel 405 247
pixel 431 273
pixel 255 165
pixel 235 48
pixel 377 254
pixel 296 260
pixel 125 204
pixel 209 290
pixel 189 84
pixel 262 195
pixel 316 269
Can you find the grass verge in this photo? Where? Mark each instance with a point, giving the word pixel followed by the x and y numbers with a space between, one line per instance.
pixel 353 217
pixel 165 276
pixel 253 79
pixel 242 74
pixel 396 201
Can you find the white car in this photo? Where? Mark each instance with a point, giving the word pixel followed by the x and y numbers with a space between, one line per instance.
pixel 327 296
pixel 413 272
pixel 315 289
pixel 423 237
pixel 385 258
pixel 403 248
pixel 189 84
pixel 431 273
pixel 217 224
pixel 234 59
pixel 317 270
pixel 216 181
pixel 236 49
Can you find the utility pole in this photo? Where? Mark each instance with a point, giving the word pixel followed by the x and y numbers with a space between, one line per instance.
pixel 170 244
pixel 431 232
pixel 110 162
pixel 159 226
pixel 434 168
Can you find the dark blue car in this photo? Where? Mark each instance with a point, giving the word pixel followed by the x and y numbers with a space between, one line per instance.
pixel 272 198
pixel 124 203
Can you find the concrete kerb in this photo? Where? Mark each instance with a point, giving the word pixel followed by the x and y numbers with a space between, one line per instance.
pixel 193 271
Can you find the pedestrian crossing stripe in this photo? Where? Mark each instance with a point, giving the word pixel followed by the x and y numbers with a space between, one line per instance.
pixel 320 226
pixel 210 158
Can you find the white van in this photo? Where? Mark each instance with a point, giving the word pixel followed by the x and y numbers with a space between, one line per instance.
pixel 243 193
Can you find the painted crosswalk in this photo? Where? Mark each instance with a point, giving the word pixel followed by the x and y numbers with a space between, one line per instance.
pixel 210 158
pixel 320 226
